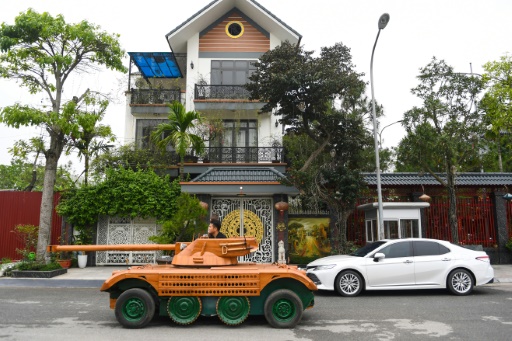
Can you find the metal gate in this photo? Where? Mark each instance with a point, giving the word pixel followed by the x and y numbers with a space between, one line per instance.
pixel 248 217
pixel 116 230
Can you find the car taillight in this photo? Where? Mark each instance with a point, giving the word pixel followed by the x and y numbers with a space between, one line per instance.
pixel 483 258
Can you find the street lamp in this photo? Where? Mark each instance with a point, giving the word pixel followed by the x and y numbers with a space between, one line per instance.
pixel 383 21
pixel 380 134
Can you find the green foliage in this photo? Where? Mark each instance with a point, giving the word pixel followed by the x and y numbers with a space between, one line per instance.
pixel 36 266
pixel 508 245
pixel 129 156
pixel 28 235
pixel 188 221
pixel 124 192
pixel 497 101
pixel 176 132
pixel 91 138
pixel 442 133
pixel 18 176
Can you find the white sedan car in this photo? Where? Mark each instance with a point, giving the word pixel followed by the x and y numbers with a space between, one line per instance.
pixel 401 264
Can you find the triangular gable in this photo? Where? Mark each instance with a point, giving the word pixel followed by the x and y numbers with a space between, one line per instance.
pixel 200 21
pixel 215 38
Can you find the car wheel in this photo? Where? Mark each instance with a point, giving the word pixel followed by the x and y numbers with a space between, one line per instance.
pixel 134 308
pixel 460 282
pixel 348 283
pixel 283 309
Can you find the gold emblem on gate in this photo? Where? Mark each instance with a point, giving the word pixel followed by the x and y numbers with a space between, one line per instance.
pixel 253 227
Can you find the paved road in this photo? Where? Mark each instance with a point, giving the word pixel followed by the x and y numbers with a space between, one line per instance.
pixel 83 314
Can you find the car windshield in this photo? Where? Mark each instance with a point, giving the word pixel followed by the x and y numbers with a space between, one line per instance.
pixel 361 252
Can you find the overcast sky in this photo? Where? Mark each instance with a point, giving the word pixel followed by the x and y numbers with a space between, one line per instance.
pixel 460 32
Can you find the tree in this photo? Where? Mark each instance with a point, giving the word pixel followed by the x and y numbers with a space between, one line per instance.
pixel 90 140
pixel 497 104
pixel 443 134
pixel 301 89
pixel 321 101
pixel 176 132
pixel 42 52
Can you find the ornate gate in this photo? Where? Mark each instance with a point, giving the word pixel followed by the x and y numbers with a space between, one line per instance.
pixel 248 217
pixel 116 230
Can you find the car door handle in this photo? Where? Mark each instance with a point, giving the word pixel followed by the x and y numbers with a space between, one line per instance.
pixel 408 262
pixel 446 259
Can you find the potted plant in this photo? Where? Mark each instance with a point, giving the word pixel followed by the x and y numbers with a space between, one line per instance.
pixel 83 236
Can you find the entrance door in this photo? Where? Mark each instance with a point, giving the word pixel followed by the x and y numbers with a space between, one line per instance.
pixel 251 217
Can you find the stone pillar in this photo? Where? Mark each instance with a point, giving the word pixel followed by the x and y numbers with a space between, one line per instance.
pixel 503 255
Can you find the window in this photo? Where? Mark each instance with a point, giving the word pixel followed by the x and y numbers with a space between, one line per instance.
pixel 239 142
pixel 397 250
pixel 371 230
pixel 234 29
pixel 231 72
pixel 428 248
pixel 409 228
pixel 143 130
pixel 391 229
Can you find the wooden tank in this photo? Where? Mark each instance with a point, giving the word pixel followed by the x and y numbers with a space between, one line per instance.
pixel 205 279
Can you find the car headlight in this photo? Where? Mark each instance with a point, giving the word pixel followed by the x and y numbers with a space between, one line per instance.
pixel 325 267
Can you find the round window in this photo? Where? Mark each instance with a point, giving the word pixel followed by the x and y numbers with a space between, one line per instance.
pixel 234 29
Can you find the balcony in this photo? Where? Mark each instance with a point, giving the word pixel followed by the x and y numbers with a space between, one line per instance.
pixel 242 154
pixel 153 101
pixel 224 97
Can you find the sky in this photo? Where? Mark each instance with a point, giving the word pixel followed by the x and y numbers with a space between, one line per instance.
pixel 465 33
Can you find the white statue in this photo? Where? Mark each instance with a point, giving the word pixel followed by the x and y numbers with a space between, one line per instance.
pixel 281 253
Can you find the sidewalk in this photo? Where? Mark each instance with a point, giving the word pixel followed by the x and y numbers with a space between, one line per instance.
pixel 93 277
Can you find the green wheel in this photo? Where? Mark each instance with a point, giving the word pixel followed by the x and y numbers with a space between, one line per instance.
pixel 184 310
pixel 135 308
pixel 233 310
pixel 283 309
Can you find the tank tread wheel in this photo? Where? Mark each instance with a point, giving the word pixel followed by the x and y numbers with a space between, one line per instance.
pixel 184 310
pixel 233 310
pixel 134 308
pixel 283 309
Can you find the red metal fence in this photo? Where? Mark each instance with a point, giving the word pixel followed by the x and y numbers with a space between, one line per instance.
pixel 22 208
pixel 475 218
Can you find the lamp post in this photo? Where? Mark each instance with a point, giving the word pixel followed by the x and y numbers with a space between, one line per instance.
pixel 383 21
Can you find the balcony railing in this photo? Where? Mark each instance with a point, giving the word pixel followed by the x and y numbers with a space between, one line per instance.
pixel 242 154
pixel 220 92
pixel 155 96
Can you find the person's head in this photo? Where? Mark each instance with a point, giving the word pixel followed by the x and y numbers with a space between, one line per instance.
pixel 214 227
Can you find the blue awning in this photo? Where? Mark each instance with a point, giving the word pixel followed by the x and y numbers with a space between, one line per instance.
pixel 156 64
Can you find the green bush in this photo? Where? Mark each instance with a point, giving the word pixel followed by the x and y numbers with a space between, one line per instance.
pixel 37 266
pixel 508 245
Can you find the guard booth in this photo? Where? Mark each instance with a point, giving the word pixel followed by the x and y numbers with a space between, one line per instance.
pixel 401 219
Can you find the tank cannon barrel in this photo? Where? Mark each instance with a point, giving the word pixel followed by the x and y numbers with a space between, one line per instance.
pixel 114 247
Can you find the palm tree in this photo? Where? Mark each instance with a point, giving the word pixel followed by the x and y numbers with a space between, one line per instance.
pixel 176 132
pixel 91 137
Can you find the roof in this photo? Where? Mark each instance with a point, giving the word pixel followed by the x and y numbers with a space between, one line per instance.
pixel 240 181
pixel 242 174
pixel 178 37
pixel 156 64
pixel 393 205
pixel 462 179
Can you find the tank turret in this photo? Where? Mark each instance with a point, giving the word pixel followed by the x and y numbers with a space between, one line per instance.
pixel 205 278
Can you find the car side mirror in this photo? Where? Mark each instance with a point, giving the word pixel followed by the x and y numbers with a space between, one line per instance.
pixel 378 256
